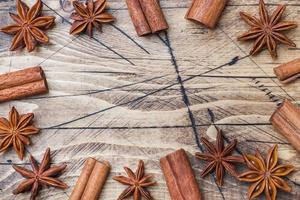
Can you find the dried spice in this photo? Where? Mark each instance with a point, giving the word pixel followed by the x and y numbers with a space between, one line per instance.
pixel 266 31
pixel 40 175
pixel 220 158
pixel 137 183
pixel 265 175
pixel 88 16
pixel 16 131
pixel 29 26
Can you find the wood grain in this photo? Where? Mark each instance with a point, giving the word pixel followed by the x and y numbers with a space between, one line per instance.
pixel 122 98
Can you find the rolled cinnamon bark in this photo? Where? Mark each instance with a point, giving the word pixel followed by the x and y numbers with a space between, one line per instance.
pixel 154 15
pixel 286 120
pixel 25 90
pixel 22 83
pixel 179 176
pixel 147 16
pixel 138 18
pixel 288 72
pixel 91 180
pixel 206 12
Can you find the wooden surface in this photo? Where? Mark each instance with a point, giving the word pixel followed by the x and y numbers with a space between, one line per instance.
pixel 123 98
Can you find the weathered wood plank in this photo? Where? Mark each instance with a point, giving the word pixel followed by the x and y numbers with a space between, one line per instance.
pixel 123 98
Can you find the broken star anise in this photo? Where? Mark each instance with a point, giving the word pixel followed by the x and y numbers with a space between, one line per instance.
pixel 88 16
pixel 16 131
pixel 265 175
pixel 40 175
pixel 219 158
pixel 137 183
pixel 266 31
pixel 29 26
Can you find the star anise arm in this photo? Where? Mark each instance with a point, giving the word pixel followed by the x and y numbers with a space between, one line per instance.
pixel 45 164
pixel 210 167
pixel 270 190
pixel 230 168
pixel 53 171
pixel 229 148
pixel 17 40
pixel 272 46
pixel 235 159
pixel 256 189
pixel 43 22
pixel 282 170
pixel 78 27
pixel 29 130
pixel 29 40
pixel 18 147
pixel 16 18
pixel 79 8
pixel 13 117
pixel 263 13
pixel 24 186
pixel 281 184
pixel 250 176
pixel 250 20
pixel 4 125
pixel 130 173
pixel 24 172
pixel 99 6
pixel 283 26
pixel 53 182
pixel 146 181
pixel 5 143
pixel 220 141
pixel 204 156
pixel 219 174
pixel 136 194
pixel 209 146
pixel 22 9
pixel 24 120
pixel 272 157
pixel 277 14
pixel 34 190
pixel 283 39
pixel 123 180
pixel 11 29
pixel 105 18
pixel 253 163
pixel 258 45
pixel 39 35
pixel 140 170
pixel 145 193
pixel 251 34
pixel 35 10
pixel 126 193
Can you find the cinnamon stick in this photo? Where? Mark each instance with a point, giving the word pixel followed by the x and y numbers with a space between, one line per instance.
pixel 288 72
pixel 91 180
pixel 22 83
pixel 206 12
pixel 147 16
pixel 286 120
pixel 179 176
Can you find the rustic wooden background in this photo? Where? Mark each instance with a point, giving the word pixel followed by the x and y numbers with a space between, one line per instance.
pixel 123 98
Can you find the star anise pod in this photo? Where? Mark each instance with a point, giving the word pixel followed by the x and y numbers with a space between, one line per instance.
pixel 220 158
pixel 29 26
pixel 40 175
pixel 137 183
pixel 16 131
pixel 88 16
pixel 266 31
pixel 265 175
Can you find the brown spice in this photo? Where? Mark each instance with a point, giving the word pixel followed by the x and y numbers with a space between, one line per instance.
pixel 29 26
pixel 40 175
pixel 266 31
pixel 288 72
pixel 147 16
pixel 219 158
pixel 286 120
pixel 266 174
pixel 206 12
pixel 90 15
pixel 179 176
pixel 137 183
pixel 91 180
pixel 16 131
pixel 22 83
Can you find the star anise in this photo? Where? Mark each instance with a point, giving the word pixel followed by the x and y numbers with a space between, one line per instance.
pixel 265 175
pixel 88 16
pixel 137 183
pixel 40 175
pixel 16 131
pixel 220 158
pixel 29 26
pixel 267 30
